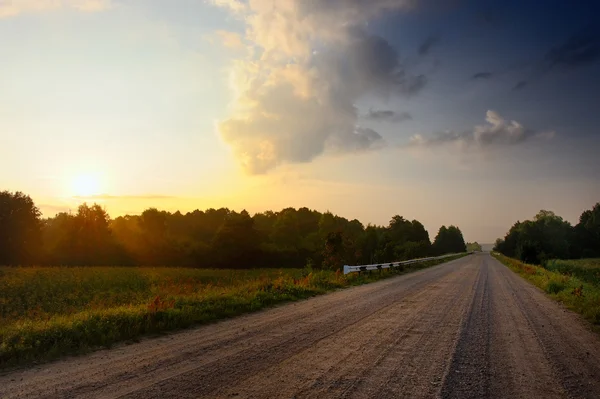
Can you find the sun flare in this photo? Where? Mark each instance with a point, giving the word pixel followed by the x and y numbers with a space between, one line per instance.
pixel 86 184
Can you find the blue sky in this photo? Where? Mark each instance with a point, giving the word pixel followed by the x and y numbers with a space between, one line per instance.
pixel 472 113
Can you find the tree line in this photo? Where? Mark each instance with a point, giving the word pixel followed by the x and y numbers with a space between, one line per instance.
pixel 549 236
pixel 219 238
pixel 473 246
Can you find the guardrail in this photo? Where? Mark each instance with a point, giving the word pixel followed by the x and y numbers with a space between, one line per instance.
pixel 379 266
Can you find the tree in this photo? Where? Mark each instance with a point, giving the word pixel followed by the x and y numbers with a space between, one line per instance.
pixel 473 246
pixel 449 240
pixel 547 236
pixel 20 229
pixel 237 243
pixel 587 233
pixel 88 239
pixel 338 251
pixel 153 224
pixel 405 240
pixel 216 238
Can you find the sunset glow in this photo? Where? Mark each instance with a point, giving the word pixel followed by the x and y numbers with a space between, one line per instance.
pixel 364 108
pixel 86 185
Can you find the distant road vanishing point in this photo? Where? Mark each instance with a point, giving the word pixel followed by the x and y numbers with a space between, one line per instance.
pixel 469 328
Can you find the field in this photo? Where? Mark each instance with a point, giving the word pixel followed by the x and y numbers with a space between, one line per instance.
pixel 575 283
pixel 47 312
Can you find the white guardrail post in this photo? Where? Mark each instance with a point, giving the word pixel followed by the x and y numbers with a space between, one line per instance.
pixel 388 265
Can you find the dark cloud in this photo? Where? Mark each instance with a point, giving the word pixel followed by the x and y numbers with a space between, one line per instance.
pixel 303 110
pixel 364 138
pixel 371 61
pixel 580 49
pixel 297 99
pixel 359 140
pixel 388 116
pixel 482 75
pixel 497 131
pixel 426 46
pixel 520 85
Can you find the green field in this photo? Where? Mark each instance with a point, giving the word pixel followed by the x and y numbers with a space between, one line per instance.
pixel 46 312
pixel 575 283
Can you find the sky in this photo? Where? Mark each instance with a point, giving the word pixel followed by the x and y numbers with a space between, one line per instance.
pixel 472 113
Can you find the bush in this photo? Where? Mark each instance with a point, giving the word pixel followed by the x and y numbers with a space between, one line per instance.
pixel 554 287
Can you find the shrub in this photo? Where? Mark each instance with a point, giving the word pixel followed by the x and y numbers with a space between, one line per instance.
pixel 554 287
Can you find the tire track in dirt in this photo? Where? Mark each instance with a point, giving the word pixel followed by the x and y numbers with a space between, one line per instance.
pixel 343 363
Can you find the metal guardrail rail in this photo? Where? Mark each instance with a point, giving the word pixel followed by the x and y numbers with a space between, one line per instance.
pixel 379 266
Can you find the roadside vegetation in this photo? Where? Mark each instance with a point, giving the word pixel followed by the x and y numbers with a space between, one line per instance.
pixel 587 270
pixel 47 312
pixel 558 258
pixel 575 283
pixel 549 236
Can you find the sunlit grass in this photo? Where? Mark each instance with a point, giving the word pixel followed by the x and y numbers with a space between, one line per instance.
pixel 46 312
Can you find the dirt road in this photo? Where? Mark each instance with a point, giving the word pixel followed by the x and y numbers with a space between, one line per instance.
pixel 467 329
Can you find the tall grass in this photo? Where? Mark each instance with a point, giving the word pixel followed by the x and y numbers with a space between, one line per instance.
pixel 587 270
pixel 565 281
pixel 47 312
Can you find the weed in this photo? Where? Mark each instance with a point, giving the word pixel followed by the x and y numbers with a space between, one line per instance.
pixel 554 287
pixel 578 291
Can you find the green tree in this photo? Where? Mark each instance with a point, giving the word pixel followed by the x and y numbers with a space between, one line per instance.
pixel 449 240
pixel 338 251
pixel 237 243
pixel 85 238
pixel 534 241
pixel 20 229
pixel 587 234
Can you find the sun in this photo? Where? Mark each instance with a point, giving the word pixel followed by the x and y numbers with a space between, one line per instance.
pixel 86 185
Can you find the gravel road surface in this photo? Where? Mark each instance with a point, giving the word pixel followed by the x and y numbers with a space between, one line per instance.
pixel 469 328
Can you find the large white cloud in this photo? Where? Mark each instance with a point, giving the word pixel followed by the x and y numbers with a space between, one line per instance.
pixel 309 62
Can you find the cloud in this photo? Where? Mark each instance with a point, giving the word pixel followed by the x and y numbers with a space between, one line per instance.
pixel 229 39
pixel 580 49
pixel 9 8
pixel 360 139
pixel 233 5
pixel 309 63
pixel 387 116
pixel 520 85
pixel 426 46
pixel 482 75
pixel 105 197
pixel 497 132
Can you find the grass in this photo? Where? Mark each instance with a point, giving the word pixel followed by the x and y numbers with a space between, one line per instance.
pixel 575 283
pixel 47 312
pixel 587 270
